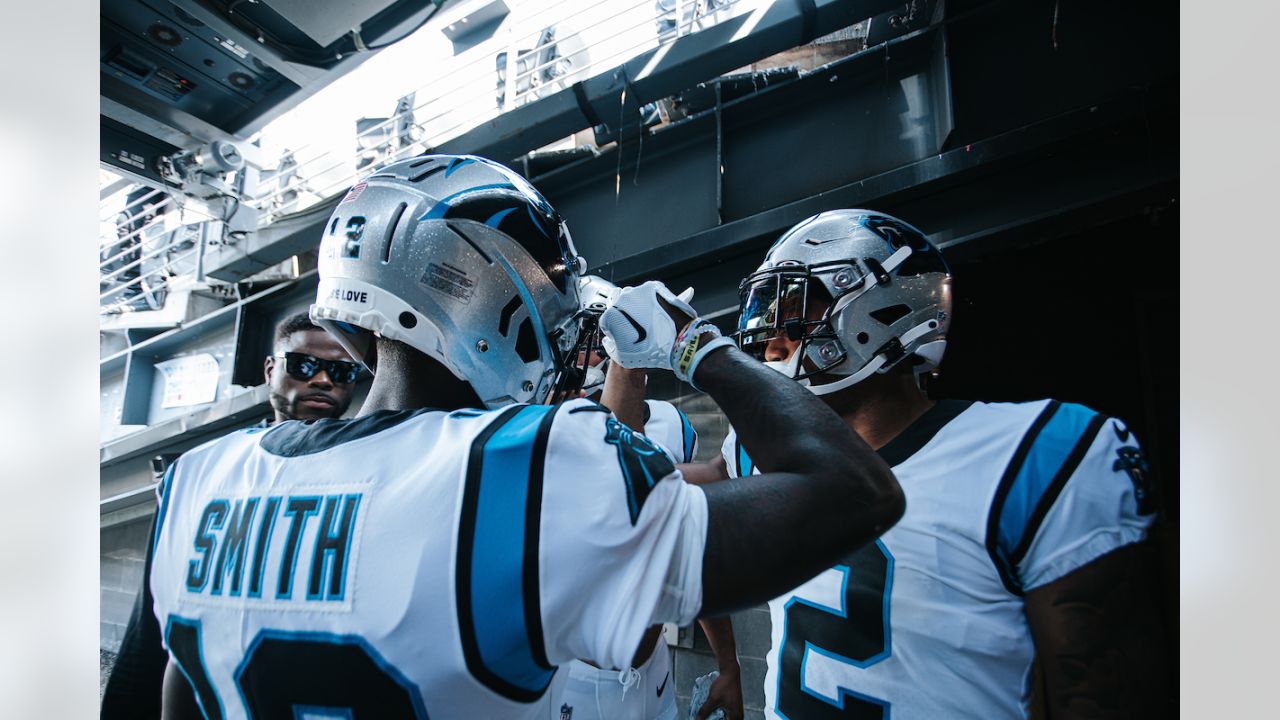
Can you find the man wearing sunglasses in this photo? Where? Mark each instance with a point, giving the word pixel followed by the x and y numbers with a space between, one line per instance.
pixel 310 377
pixel 309 374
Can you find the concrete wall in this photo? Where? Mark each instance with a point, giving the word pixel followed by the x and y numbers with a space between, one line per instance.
pixel 124 549
pixel 751 629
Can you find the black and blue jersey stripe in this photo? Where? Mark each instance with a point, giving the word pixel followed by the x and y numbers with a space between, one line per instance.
pixel 499 611
pixel 1045 458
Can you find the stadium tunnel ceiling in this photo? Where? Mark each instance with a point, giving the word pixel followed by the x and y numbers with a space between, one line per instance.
pixel 182 73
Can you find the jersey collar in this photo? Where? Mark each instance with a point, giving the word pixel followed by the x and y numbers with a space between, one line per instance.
pixel 920 432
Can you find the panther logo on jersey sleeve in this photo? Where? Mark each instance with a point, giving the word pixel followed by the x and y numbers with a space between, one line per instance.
pixel 643 463
pixel 1131 460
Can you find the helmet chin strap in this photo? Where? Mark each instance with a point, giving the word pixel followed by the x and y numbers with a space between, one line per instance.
pixel 874 364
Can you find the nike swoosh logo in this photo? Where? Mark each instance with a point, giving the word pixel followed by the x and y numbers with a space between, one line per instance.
pixel 663 686
pixel 635 325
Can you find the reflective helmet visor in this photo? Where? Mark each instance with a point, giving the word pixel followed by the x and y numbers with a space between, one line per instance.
pixel 792 305
pixel 769 303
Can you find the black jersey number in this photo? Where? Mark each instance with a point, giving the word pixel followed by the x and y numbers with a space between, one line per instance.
pixel 857 635
pixel 284 674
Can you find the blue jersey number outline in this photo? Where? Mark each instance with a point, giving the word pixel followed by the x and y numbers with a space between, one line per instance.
pixel 857 634
pixel 322 672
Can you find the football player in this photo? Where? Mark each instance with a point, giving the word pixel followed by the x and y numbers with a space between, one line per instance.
pixel 644 690
pixel 441 554
pixel 1023 525
pixel 309 374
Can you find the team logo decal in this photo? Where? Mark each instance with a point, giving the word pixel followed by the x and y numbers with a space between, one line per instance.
pixel 892 231
pixel 643 463
pixel 566 711
pixel 1131 460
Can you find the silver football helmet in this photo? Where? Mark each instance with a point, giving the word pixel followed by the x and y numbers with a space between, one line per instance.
pixel 859 290
pixel 462 259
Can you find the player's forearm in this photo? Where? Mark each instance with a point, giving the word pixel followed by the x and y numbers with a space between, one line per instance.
pixel 824 492
pixel 703 473
pixel 624 395
pixel 1099 638
pixel 719 632
pixel 790 430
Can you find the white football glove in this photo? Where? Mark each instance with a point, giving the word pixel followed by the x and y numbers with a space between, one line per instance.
pixel 640 334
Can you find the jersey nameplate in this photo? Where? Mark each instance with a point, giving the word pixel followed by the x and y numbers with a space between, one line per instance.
pixel 296 549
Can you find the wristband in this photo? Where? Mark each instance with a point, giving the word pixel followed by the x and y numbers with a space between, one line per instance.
pixel 694 343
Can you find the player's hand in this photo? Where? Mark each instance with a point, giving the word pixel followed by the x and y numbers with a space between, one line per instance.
pixel 642 323
pixel 725 693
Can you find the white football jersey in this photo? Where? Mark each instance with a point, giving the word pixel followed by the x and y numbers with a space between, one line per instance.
pixel 668 426
pixel 928 621
pixel 419 563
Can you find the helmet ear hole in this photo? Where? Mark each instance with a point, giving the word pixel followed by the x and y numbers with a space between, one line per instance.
pixel 526 343
pixel 407 320
pixel 890 314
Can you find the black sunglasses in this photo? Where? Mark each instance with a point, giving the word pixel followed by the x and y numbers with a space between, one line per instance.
pixel 304 367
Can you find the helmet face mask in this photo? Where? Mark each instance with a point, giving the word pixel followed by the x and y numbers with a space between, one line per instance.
pixel 854 292
pixel 595 294
pixel 461 259
pixel 575 362
pixel 792 302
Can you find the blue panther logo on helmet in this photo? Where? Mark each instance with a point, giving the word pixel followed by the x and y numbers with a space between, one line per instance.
pixel 504 201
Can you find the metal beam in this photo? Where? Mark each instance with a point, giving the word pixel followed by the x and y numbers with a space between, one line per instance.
pixel 237 410
pixel 663 71
pixel 272 244
pixel 659 73
pixel 869 129
pixel 114 188
pixel 134 108
pixel 848 121
pixel 928 176
pixel 138 496
pixel 220 318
